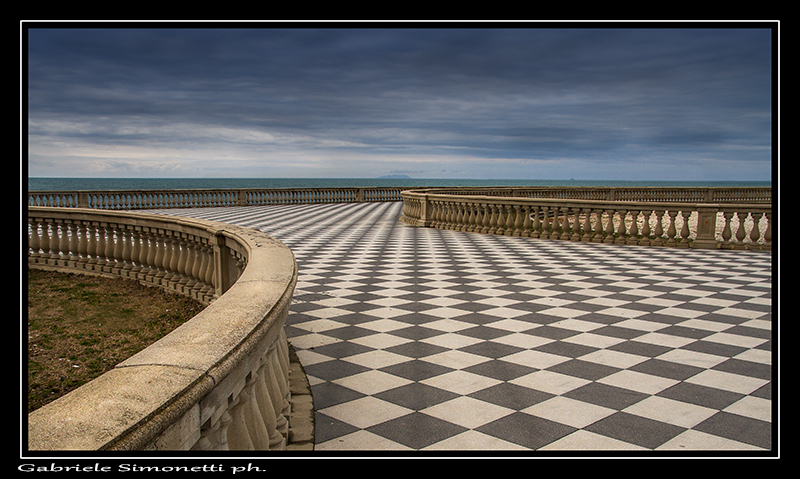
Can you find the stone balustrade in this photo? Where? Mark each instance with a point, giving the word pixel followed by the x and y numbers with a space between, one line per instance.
pixel 219 381
pixel 198 198
pixel 677 217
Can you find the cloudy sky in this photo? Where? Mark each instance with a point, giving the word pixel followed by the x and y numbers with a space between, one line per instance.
pixel 636 103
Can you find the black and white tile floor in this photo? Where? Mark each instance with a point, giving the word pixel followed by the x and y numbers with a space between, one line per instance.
pixel 423 339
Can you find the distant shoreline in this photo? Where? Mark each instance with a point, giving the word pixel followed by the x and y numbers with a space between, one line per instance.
pixel 70 184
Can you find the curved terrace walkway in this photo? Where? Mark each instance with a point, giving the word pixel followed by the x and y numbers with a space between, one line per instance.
pixel 423 339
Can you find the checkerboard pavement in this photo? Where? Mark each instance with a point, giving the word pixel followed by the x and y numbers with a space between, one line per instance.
pixel 431 340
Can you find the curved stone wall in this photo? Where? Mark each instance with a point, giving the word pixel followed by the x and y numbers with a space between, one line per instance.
pixel 220 380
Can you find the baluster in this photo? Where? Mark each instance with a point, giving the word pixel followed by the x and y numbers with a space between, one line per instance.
pixel 671 229
pixel 172 273
pixel 622 229
pixel 609 231
pixel 587 226
pixel 768 231
pixel 74 245
pixel 44 243
pixel 93 260
pixel 238 436
pixel 727 234
pixel 684 242
pixel 634 229
pixel 458 222
pixel 755 233
pixel 154 273
pixel 34 242
pixel 486 217
pixel 493 220
pixel 501 220
pixel 63 243
pixel 566 227
pixel 267 408
pixel 546 229
pixel 100 250
pixel 256 423
pixel 526 222
pixel 658 233
pixel 645 239
pixel 109 250
pixel 119 250
pixel 136 251
pixel 519 220
pixel 536 226
pixel 83 246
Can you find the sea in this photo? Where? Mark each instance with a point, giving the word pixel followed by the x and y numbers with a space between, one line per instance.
pixel 71 184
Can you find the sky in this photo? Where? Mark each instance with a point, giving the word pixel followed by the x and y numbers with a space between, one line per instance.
pixel 474 100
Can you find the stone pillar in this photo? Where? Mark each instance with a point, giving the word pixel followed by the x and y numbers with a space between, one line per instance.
pixel 706 227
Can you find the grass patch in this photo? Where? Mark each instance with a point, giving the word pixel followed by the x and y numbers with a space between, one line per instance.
pixel 80 326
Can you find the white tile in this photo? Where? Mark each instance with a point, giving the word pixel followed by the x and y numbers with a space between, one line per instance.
pixel 568 411
pixel 474 441
pixel 372 382
pixel 365 412
pixel 692 440
pixel 753 407
pixel 635 381
pixel 550 382
pixel 670 411
pixel 460 382
pixel 583 440
pixel 467 412
pixel 727 381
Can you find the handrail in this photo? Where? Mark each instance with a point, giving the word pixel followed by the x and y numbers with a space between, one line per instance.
pixel 195 198
pixel 218 381
pixel 642 222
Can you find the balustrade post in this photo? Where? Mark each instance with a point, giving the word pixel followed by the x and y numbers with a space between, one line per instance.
pixel 222 267
pixel 706 227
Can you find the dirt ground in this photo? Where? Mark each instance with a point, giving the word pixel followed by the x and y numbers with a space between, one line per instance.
pixel 80 326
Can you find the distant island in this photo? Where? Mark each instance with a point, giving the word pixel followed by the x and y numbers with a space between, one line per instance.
pixel 395 177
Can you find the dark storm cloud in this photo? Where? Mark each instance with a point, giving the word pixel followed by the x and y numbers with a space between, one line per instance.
pixel 298 101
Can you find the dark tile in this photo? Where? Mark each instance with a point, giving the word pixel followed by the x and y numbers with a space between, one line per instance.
pixel 666 369
pixel 416 349
pixel 701 395
pixel 640 349
pixel 491 349
pixel 327 428
pixel 416 430
pixel 563 348
pixel 745 368
pixel 583 369
pixel 636 430
pixel 332 370
pixel 526 430
pixel 330 394
pixel 416 332
pixel 511 396
pixel 416 370
pixel 341 349
pixel 717 349
pixel 738 428
pixel 501 370
pixel 416 396
pixel 607 396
